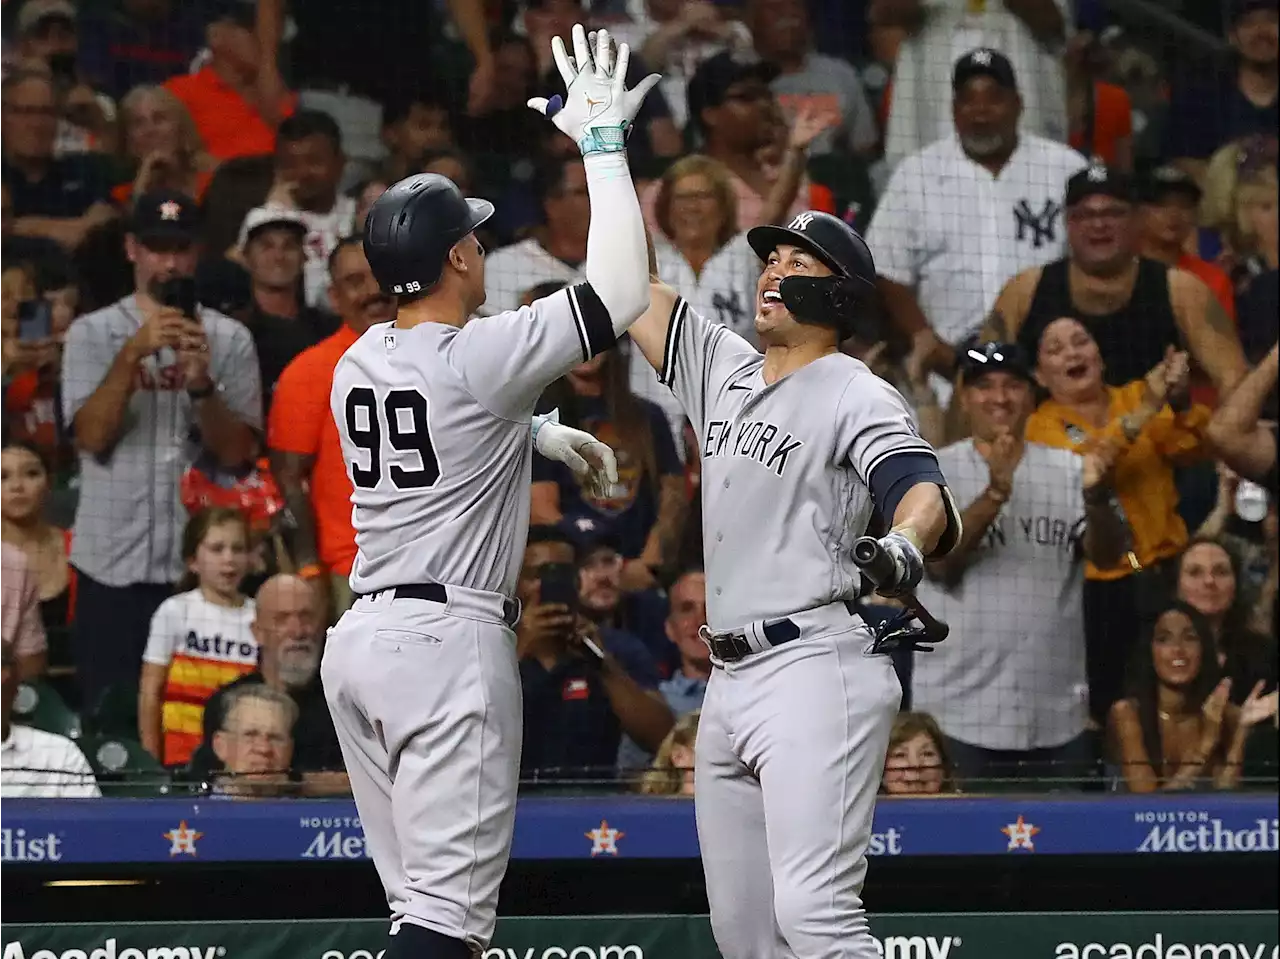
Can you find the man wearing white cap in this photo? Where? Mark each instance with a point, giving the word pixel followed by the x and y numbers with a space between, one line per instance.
pixel 282 324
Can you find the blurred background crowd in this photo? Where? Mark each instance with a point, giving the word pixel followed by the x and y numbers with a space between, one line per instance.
pixel 1073 212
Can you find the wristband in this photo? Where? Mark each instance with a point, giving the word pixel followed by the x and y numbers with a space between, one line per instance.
pixel 202 392
pixel 311 571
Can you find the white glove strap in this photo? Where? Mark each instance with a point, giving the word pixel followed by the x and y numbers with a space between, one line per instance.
pixel 540 420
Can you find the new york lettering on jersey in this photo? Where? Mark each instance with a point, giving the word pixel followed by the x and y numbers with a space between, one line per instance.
pixel 1010 675
pixel 784 468
pixel 434 423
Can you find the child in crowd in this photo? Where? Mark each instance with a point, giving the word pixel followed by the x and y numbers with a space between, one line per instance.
pixel 201 638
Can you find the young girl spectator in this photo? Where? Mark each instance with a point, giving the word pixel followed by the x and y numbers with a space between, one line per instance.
pixel 200 639
pixel 1207 578
pixel 646 509
pixel 672 771
pixel 26 482
pixel 916 763
pixel 1177 728
pixel 1146 427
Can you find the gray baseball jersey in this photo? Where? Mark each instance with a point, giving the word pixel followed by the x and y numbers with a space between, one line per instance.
pixel 797 455
pixel 129 520
pixel 434 423
pixel 1012 673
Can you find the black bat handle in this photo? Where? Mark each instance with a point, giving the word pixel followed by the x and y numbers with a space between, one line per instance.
pixel 872 559
pixel 877 565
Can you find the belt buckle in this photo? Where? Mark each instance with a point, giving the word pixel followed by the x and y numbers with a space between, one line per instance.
pixel 728 647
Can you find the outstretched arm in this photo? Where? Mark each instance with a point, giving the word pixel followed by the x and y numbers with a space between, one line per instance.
pixel 597 114
pixel 1237 437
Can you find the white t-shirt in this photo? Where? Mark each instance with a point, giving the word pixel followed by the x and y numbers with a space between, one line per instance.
pixel 324 230
pixel 956 234
pixel 511 271
pixel 191 627
pixel 43 765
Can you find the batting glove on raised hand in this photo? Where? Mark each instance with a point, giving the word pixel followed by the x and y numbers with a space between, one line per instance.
pixel 908 565
pixel 597 110
pixel 591 461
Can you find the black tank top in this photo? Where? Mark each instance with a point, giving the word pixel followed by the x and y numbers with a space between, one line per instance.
pixel 1132 339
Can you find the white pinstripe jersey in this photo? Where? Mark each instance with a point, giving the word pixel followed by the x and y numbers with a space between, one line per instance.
pixel 434 423
pixel 785 468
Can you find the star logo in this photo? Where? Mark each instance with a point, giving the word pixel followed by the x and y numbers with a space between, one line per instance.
pixel 604 839
pixel 981 57
pixel 1097 174
pixel 182 841
pixel 1020 834
pixel 170 210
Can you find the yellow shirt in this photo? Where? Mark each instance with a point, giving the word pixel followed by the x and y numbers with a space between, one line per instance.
pixel 1143 478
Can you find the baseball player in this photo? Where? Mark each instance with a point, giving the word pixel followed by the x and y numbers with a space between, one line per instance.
pixel 434 414
pixel 799 446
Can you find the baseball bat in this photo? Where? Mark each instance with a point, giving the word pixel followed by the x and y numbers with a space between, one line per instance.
pixel 877 565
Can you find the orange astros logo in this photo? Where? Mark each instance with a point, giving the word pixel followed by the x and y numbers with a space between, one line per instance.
pixel 182 841
pixel 604 839
pixel 1020 834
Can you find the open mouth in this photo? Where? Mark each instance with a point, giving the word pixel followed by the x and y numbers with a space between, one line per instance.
pixel 770 298
pixel 1077 370
pixel 1178 663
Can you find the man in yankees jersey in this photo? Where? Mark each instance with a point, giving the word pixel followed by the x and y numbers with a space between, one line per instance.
pixel 434 414
pixel 799 445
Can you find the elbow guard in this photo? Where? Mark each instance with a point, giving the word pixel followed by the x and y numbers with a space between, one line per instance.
pixel 897 474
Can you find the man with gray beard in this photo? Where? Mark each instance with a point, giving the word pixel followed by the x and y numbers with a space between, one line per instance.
pixel 289 629
pixel 964 215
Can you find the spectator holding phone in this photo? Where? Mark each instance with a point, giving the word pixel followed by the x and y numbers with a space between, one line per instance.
pixel 583 689
pixel 148 384
pixel 36 324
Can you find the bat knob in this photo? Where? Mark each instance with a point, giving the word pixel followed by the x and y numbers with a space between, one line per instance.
pixel 865 550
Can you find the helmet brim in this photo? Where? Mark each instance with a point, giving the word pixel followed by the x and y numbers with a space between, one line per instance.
pixel 480 211
pixel 765 239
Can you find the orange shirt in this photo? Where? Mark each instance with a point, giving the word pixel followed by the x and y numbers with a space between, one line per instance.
pixel 1143 480
pixel 1112 122
pixel 301 422
pixel 229 125
pixel 121 193
pixel 1219 284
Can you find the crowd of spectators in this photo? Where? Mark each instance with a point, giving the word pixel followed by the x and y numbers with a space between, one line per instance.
pixel 1076 242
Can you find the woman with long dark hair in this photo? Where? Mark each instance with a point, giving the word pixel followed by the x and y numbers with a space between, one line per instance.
pixel 1177 729
pixel 1207 577
pixel 646 510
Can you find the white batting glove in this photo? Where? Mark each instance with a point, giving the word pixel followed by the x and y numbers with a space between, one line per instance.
pixel 591 461
pixel 597 110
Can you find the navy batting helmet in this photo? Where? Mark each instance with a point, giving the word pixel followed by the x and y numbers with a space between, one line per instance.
pixel 826 300
pixel 412 227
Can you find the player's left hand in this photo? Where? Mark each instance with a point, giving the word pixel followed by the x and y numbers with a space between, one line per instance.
pixel 908 563
pixel 597 109
pixel 591 461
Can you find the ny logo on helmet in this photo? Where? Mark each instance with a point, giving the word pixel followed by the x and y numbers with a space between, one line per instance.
pixel 801 222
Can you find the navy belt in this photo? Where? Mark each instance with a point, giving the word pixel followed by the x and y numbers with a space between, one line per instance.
pixel 437 593
pixel 732 647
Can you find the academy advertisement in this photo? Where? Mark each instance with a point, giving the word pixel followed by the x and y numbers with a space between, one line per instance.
pixel 1242 935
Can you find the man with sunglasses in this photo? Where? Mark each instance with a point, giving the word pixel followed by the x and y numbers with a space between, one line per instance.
pixel 1135 307
pixel 1008 687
